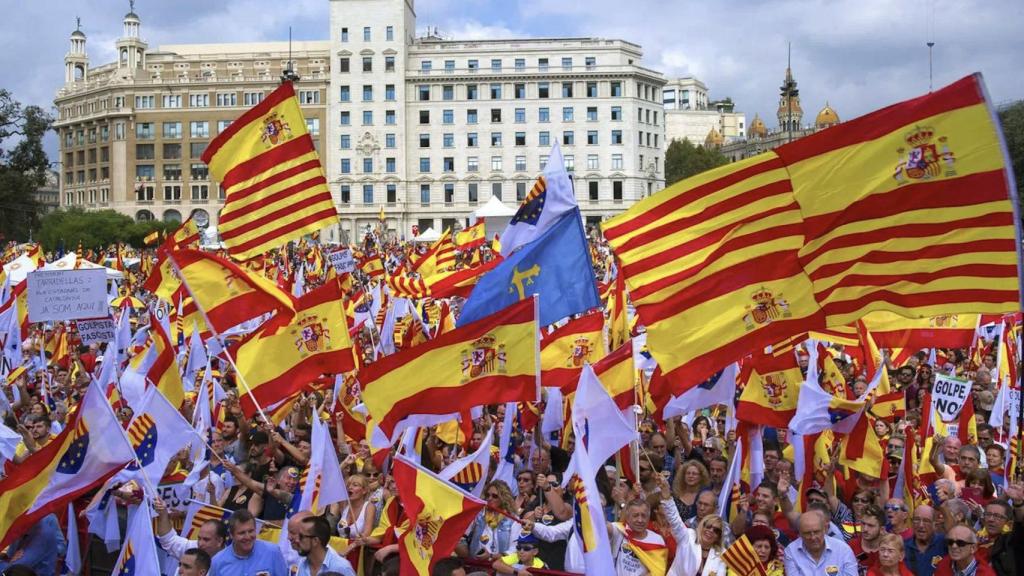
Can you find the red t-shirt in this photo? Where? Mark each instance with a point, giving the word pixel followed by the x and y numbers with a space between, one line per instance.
pixel 864 559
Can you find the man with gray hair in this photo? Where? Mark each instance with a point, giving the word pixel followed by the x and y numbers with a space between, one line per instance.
pixel 925 547
pixel 814 553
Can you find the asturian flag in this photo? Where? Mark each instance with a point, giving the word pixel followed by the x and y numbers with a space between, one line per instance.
pixel 157 432
pixel 138 557
pixel 469 471
pixel 550 198
pixel 89 451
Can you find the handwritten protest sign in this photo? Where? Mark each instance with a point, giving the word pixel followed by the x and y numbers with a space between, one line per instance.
pixel 67 294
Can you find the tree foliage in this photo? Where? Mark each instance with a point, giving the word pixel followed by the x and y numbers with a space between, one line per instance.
pixel 1012 119
pixel 99 229
pixel 23 165
pixel 683 159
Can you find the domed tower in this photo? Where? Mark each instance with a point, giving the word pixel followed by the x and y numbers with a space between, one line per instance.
pixel 714 139
pixel 827 117
pixel 131 50
pixel 76 61
pixel 757 128
pixel 790 113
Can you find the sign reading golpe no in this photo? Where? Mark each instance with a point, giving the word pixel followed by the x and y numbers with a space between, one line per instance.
pixel 67 294
pixel 949 396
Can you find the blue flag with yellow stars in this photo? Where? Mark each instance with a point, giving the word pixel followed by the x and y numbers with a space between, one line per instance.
pixel 556 267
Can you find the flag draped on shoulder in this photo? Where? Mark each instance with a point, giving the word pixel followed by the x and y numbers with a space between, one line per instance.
pixel 808 236
pixel 550 198
pixel 89 451
pixel 438 514
pixel 556 267
pixel 275 187
pixel 287 353
pixel 227 294
pixel 489 361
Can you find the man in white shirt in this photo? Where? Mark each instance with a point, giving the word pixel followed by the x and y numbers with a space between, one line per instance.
pixel 814 553
pixel 635 516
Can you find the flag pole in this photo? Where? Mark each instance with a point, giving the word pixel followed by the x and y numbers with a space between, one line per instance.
pixel 216 334
pixel 536 343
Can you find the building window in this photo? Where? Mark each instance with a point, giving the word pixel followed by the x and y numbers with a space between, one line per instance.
pixel 145 102
pixel 425 65
pixel 367 165
pixel 344 34
pixel 496 163
pixel 473 65
pixel 566 89
pixel 495 64
pixel 346 118
pixel 172 193
pixel 424 117
pixel 472 92
pixel 389 92
pixel 201 100
pixel 389 165
pixel 495 91
pixel 544 138
pixel 389 117
pixel 392 194
pixel 567 114
pixel 448 116
pixel 200 129
pixel 590 62
pixel 591 113
pixel 200 191
pixel 616 136
pixel 366 33
pixel 520 164
pixel 471 140
pixel 591 89
pixel 346 142
pixel 343 65
pixel 346 194
pixel 616 161
pixel 143 130
pixel 520 138
pixel 346 165
pixel 389 63
pixel 543 89
pixel 389 140
pixel 520 64
pixel 449 66
pixel 199 171
pixel 616 113
pixel 425 194
pixel 592 137
pixel 447 92
pixel 424 140
pixel 172 129
pixel 252 98
pixel 423 92
pixel 172 151
pixel 617 190
pixel 519 91
pixel 367 117
pixel 495 139
pixel 496 190
pixel 367 64
pixel 344 93
pixel 568 138
pixel 389 33
pixel 367 193
pixel 616 89
pixel 542 64
pixel 473 192
pixel 592 162
pixel 424 164
pixel 472 164
pixel 569 161
pixel 145 152
pixel 592 189
pixel 471 116
pixel 496 115
pixel 448 164
pixel 448 140
pixel 222 125
pixel 520 115
pixel 543 115
pixel 313 126
pixel 367 93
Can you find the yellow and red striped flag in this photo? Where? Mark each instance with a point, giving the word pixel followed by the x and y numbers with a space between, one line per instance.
pixel 564 351
pixel 618 321
pixel 866 216
pixel 275 186
pixel 439 259
pixel 439 513
pixel 164 372
pixel 314 341
pixel 226 293
pixel 490 361
pixel 742 560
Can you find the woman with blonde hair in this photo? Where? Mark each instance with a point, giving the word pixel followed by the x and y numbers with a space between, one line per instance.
pixel 493 534
pixel 691 478
pixel 698 551
pixel 890 558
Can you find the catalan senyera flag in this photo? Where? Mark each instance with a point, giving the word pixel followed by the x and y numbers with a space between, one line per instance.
pixel 564 351
pixel 198 514
pixel 867 216
pixel 275 186
pixel 89 451
pixel 314 341
pixel 226 293
pixel 438 259
pixel 874 364
pixel 742 560
pixel 471 237
pixel 771 390
pixel 490 361
pixel 438 512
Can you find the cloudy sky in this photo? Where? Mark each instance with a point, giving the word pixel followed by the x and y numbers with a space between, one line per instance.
pixel 856 54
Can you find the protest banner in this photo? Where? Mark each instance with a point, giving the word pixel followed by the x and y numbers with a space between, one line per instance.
pixel 67 294
pixel 949 395
pixel 342 260
pixel 96 331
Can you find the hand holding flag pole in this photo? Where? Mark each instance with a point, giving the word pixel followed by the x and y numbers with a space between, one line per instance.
pixel 216 334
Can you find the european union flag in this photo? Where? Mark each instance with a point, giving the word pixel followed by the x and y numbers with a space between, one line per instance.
pixel 74 457
pixel 556 266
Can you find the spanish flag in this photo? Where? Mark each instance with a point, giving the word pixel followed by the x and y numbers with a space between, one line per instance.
pixel 471 237
pixel 226 293
pixel 652 554
pixel 439 513
pixel 164 372
pixel 771 388
pixel 269 168
pixel 161 280
pixel 808 236
pixel 891 330
pixel 564 351
pixel 617 374
pixel 186 236
pixel 490 361
pixel 287 353
pixel 151 238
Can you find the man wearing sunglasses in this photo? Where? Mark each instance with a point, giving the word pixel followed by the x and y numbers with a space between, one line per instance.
pixel 524 558
pixel 897 518
pixel 961 560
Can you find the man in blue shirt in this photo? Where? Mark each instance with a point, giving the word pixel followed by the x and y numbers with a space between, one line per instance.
pixel 247 556
pixel 814 553
pixel 925 548
pixel 39 548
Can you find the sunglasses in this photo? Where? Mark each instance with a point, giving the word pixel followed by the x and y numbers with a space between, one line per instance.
pixel 894 508
pixel 861 500
pixel 526 547
pixel 372 474
pixel 714 529
pixel 959 543
pixel 492 495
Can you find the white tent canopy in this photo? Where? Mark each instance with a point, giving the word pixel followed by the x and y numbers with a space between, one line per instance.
pixel 70 261
pixel 494 208
pixel 428 235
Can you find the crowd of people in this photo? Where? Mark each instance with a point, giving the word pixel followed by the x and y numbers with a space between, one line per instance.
pixel 966 518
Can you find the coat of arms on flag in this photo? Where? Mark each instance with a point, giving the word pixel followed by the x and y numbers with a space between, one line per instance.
pixel 486 356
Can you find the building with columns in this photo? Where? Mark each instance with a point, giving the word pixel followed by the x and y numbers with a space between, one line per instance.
pixel 132 131
pixel 424 127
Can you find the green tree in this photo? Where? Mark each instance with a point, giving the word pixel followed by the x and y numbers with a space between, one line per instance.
pixel 23 165
pixel 683 159
pixel 1012 119
pixel 98 229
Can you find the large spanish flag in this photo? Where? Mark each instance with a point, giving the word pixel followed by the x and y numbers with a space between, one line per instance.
pixel 869 215
pixel 226 293
pixel 270 171
pixel 490 361
pixel 564 351
pixel 287 353
pixel 439 513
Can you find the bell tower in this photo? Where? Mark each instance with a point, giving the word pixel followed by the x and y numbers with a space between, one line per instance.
pixel 76 61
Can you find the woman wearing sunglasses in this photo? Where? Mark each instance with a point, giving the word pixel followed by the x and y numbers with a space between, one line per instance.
pixel 698 551
pixel 493 534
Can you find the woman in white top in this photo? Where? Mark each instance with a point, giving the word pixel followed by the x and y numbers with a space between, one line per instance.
pixel 698 551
